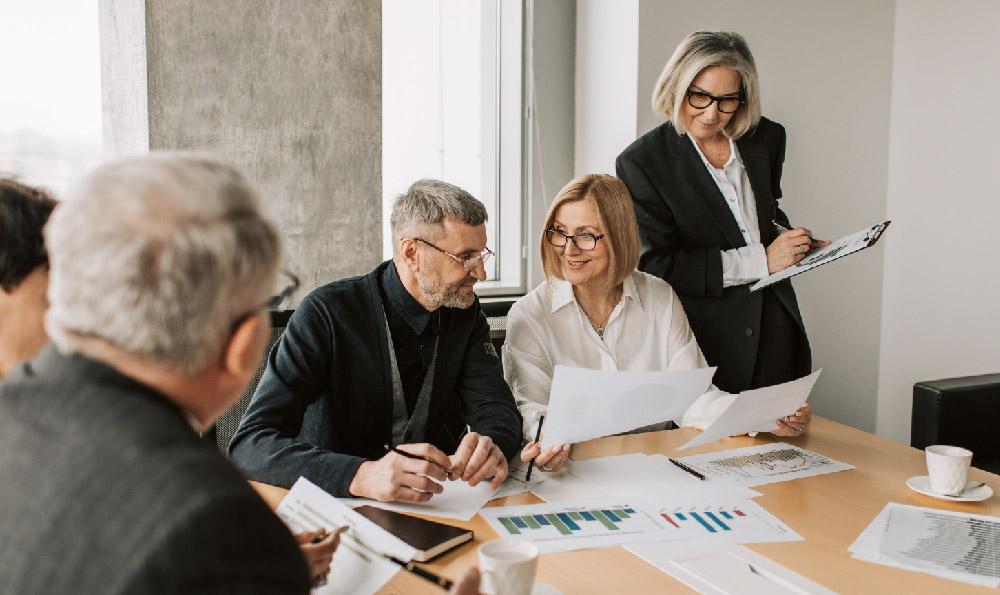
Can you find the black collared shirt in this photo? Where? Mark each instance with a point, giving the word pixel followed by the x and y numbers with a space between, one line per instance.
pixel 414 333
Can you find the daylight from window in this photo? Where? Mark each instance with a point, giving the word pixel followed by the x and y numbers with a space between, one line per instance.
pixel 50 107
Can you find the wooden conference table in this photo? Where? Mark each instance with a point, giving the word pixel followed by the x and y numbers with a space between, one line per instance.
pixel 829 511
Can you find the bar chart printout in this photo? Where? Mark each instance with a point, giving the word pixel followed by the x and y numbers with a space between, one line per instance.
pixel 732 522
pixel 561 527
pixel 763 464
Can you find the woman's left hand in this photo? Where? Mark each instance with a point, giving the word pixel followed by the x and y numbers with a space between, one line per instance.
pixel 552 459
pixel 795 424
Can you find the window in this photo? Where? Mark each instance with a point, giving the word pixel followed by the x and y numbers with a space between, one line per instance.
pixel 50 110
pixel 451 110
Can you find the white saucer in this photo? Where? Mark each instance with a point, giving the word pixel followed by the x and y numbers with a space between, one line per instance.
pixel 922 484
pixel 544 589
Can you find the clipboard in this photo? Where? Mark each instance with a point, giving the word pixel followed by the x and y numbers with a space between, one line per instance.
pixel 846 245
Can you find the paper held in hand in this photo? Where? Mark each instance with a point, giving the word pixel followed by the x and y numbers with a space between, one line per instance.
pixel 586 404
pixel 758 410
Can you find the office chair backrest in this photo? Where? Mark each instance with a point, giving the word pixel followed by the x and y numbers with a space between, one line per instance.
pixel 496 316
pixel 961 412
pixel 229 421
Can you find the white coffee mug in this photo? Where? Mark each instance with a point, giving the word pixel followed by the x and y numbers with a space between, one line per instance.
pixel 507 567
pixel 948 467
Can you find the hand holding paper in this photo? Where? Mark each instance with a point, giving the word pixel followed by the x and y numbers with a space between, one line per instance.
pixel 757 410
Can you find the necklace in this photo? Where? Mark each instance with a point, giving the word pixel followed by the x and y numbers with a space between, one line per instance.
pixel 600 328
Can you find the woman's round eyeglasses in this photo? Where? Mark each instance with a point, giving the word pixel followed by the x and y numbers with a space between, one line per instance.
pixel 583 241
pixel 727 105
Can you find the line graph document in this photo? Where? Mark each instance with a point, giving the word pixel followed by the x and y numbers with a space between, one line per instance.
pixel 763 464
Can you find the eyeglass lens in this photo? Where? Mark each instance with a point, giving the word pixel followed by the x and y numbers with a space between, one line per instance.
pixel 583 241
pixel 727 105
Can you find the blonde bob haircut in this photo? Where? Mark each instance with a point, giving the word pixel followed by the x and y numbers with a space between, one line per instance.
pixel 697 52
pixel 617 221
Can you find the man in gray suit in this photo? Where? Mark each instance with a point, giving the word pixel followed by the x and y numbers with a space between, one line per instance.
pixel 161 268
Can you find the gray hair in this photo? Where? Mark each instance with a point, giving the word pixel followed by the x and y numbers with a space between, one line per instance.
pixel 697 52
pixel 425 205
pixel 159 255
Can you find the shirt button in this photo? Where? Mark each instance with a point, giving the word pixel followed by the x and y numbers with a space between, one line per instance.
pixel 749 332
pixel 743 230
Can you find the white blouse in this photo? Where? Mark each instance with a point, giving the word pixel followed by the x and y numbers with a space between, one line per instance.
pixel 747 263
pixel 647 331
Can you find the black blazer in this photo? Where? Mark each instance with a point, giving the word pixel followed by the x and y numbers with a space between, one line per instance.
pixel 684 224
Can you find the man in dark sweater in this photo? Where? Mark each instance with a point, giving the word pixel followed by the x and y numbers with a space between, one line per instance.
pixel 398 358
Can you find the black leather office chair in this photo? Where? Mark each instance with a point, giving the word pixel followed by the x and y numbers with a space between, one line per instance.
pixel 961 412
pixel 496 316
pixel 227 423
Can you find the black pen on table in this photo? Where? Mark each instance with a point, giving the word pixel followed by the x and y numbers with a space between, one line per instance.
pixel 408 566
pixel 411 456
pixel 688 469
pixel 531 465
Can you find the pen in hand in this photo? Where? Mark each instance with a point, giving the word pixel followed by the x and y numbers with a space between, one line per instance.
pixel 531 465
pixel 411 456
pixel 784 227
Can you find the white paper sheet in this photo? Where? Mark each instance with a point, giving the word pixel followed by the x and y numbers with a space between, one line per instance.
pixel 763 464
pixel 586 404
pixel 654 479
pixel 458 501
pixel 735 521
pixel 307 508
pixel 757 410
pixel 952 545
pixel 514 484
pixel 581 525
pixel 726 570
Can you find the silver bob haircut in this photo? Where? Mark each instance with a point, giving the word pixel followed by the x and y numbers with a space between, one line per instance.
pixel 159 255
pixel 697 52
pixel 421 209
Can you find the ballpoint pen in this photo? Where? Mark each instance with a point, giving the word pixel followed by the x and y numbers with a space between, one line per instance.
pixel 441 581
pixel 531 465
pixel 688 469
pixel 411 456
pixel 784 227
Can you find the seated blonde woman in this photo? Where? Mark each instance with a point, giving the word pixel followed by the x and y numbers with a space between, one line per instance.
pixel 596 311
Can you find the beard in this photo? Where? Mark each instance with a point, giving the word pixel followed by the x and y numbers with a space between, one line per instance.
pixel 444 295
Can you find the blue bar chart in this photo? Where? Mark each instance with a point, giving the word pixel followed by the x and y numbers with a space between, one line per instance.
pixel 563 527
pixel 742 522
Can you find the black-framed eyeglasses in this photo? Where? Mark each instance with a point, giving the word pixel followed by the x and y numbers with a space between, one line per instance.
pixel 290 284
pixel 699 100
pixel 470 263
pixel 583 241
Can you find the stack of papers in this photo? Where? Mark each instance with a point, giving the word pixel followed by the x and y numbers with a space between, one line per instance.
pixel 953 545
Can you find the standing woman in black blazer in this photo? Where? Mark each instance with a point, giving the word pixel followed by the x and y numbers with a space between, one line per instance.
pixel 705 186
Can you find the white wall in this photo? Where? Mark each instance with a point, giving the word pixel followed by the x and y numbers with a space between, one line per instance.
pixel 825 70
pixel 606 83
pixel 941 287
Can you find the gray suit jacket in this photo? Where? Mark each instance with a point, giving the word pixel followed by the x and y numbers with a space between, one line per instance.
pixel 105 488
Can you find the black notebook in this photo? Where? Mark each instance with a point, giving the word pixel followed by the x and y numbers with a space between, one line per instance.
pixel 430 538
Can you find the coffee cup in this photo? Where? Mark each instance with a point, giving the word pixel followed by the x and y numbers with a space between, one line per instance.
pixel 948 467
pixel 507 567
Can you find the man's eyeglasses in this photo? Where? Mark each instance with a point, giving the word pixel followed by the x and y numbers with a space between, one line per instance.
pixel 583 241
pixel 470 263
pixel 727 105
pixel 290 284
